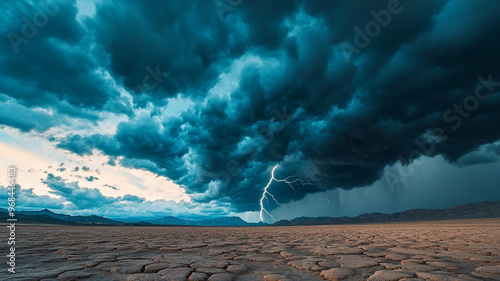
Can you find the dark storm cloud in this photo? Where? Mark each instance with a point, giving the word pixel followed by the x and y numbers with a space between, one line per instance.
pixel 327 115
pixel 91 178
pixel 145 144
pixel 15 115
pixel 47 63
pixel 110 186
pixel 80 197
pixel 76 144
pixel 83 198
pixel 32 200
pixel 185 39
pixel 489 153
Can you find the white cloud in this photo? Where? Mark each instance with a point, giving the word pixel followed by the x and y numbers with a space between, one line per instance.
pixel 35 157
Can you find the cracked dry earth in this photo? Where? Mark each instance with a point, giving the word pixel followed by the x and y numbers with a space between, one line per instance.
pixel 452 250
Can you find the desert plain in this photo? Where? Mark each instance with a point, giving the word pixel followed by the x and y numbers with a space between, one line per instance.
pixel 439 250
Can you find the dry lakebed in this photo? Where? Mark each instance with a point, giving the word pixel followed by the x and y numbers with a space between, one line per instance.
pixel 438 250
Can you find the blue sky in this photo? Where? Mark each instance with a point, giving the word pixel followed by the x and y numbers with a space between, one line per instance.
pixel 154 108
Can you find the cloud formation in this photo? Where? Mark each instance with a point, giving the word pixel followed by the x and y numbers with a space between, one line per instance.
pixel 270 83
pixel 71 198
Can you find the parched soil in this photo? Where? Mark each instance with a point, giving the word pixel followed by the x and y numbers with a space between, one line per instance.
pixel 447 250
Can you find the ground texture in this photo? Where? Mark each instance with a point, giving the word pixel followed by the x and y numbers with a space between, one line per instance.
pixel 452 250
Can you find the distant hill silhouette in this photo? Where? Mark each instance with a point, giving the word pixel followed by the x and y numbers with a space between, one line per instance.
pixel 467 211
pixel 92 219
pixel 32 219
pixel 220 221
pixel 46 216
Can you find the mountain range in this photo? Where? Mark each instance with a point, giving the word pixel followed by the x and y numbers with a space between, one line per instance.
pixel 220 221
pixel 467 211
pixel 46 216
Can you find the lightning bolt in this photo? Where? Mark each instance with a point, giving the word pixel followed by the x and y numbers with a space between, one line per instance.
pixel 286 180
pixel 266 193
pixel 328 201
pixel 262 208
